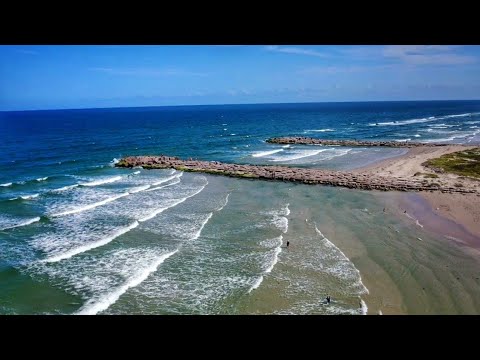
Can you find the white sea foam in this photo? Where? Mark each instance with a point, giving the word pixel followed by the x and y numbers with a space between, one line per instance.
pixel 286 146
pixel 226 202
pixel 138 189
pixel 164 186
pixel 162 209
pixel 113 162
pixel 416 220
pixel 28 197
pixel 256 284
pixel 265 153
pixel 421 120
pixel 68 187
pixel 28 222
pixel 268 267
pixel 363 307
pixel 404 122
pixel 91 206
pixel 42 179
pixel 320 130
pixel 6 184
pixel 136 172
pixel 328 243
pixel 299 155
pixel 90 246
pixel 95 306
pixel 199 232
pixel 417 135
pixel 403 140
pixel 277 251
pixel 102 181
pixel 167 179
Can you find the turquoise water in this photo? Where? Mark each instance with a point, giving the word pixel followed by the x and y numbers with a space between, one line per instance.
pixel 81 236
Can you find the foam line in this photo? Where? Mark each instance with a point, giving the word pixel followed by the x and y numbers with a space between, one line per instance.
pixel 91 206
pixel 90 246
pixel 28 222
pixel 330 244
pixel 160 210
pixel 93 307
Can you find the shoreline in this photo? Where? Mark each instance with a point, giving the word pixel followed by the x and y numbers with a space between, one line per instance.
pixel 455 217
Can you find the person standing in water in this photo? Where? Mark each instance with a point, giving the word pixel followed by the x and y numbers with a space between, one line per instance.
pixel 288 244
pixel 328 299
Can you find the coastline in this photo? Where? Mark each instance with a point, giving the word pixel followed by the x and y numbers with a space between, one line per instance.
pixel 455 217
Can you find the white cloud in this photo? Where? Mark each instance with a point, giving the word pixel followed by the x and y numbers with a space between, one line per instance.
pixel 146 72
pixel 295 50
pixel 427 54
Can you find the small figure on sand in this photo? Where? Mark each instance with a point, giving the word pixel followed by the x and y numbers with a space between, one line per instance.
pixel 328 299
pixel 288 244
pixel 405 212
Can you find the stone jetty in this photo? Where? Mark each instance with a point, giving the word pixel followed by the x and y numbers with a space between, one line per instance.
pixel 350 143
pixel 285 173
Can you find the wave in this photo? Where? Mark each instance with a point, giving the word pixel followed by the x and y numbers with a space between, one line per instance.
pixel 270 266
pixel 91 206
pixel 199 232
pixel 164 186
pixel 42 179
pixel 93 307
pixel 299 155
pixel 102 181
pixel 6 184
pixel 93 245
pixel 28 222
pixel 320 130
pixel 138 189
pixel 421 120
pixel 226 202
pixel 403 140
pixel 417 135
pixel 363 307
pixel 28 197
pixel 113 162
pixel 286 146
pixel 167 179
pixel 136 172
pixel 162 209
pixel 265 153
pixel 404 122
pixel 332 245
pixel 65 188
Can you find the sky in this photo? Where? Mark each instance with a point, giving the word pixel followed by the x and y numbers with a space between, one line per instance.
pixel 81 76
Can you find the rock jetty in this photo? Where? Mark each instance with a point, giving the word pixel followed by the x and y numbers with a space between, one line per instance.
pixel 350 143
pixel 285 173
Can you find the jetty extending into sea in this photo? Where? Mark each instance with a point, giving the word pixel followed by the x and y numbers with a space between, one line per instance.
pixel 284 173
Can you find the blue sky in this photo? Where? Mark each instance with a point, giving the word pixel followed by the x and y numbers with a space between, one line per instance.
pixel 56 77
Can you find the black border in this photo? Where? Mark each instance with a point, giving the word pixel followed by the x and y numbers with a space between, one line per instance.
pixel 240 23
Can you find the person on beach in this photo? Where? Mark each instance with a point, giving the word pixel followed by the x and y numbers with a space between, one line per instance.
pixel 288 244
pixel 328 299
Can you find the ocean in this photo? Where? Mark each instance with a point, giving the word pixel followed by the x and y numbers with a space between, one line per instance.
pixel 79 236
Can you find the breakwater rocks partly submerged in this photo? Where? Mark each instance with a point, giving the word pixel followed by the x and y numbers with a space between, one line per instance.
pixel 284 173
pixel 349 143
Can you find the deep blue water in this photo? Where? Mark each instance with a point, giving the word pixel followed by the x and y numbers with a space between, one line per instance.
pixel 59 193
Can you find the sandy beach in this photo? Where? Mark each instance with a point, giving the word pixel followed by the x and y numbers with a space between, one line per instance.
pixel 461 210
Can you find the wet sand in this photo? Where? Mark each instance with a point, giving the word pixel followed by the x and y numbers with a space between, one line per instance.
pixel 453 215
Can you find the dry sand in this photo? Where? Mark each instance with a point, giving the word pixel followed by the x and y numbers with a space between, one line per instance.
pixel 462 209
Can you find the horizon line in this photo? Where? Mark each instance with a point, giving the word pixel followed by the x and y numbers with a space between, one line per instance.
pixel 267 103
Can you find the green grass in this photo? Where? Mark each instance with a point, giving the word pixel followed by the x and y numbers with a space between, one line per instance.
pixel 465 163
